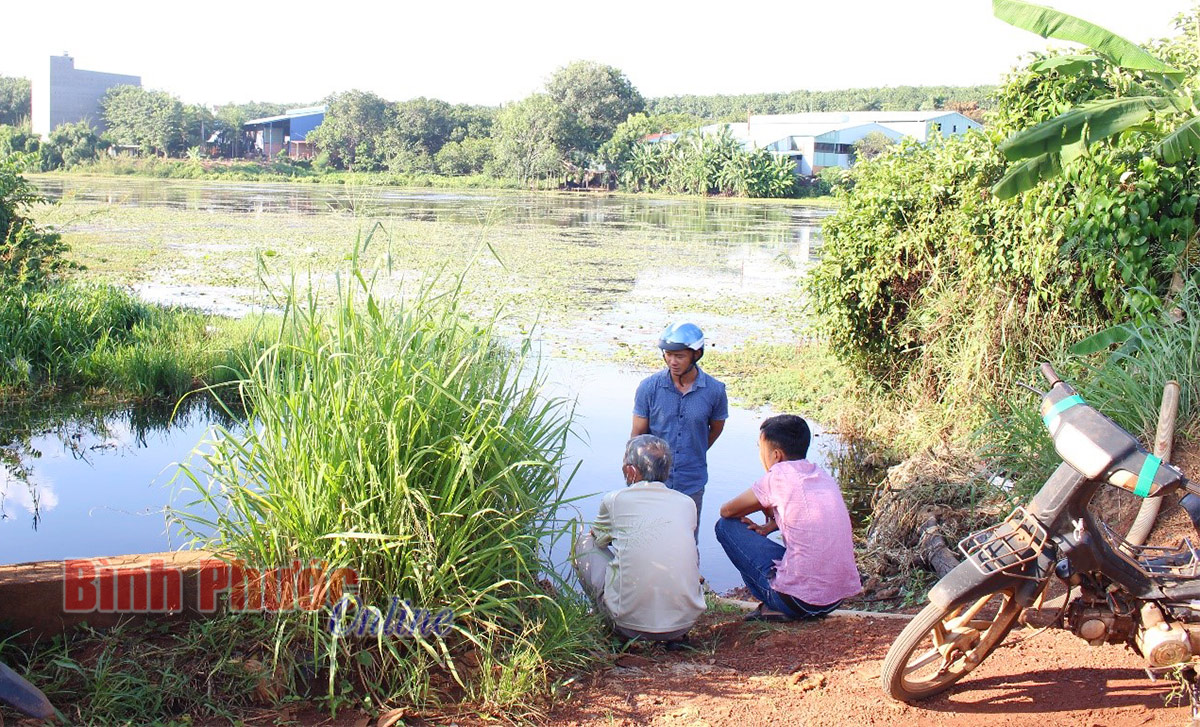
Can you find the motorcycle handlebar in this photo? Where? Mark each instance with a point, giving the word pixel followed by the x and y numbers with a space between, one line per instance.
pixel 1050 374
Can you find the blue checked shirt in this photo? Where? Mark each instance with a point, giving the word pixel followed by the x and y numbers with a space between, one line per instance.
pixel 682 420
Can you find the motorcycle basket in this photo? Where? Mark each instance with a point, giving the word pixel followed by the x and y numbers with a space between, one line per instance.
pixel 1016 540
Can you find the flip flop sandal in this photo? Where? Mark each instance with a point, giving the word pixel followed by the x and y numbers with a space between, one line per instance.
pixel 762 614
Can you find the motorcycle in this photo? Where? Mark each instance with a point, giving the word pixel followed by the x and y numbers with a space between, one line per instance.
pixel 22 696
pixel 1146 597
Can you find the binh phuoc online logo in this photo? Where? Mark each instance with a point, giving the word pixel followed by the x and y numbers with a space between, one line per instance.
pixel 350 616
pixel 95 585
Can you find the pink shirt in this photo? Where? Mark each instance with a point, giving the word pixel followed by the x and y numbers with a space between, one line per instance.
pixel 818 565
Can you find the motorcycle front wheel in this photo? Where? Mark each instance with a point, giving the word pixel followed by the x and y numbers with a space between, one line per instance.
pixel 941 646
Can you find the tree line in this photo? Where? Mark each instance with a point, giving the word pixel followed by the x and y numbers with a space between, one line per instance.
pixel 971 101
pixel 587 117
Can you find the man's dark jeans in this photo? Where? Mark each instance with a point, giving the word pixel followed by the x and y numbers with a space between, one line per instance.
pixel 754 556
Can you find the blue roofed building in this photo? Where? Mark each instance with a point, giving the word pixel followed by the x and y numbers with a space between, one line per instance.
pixel 814 141
pixel 286 133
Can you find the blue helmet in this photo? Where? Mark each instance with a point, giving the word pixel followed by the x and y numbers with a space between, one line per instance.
pixel 682 336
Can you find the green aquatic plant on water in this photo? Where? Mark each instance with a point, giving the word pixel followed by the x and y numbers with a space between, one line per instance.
pixel 406 441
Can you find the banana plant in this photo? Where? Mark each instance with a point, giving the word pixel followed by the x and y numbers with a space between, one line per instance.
pixel 1040 151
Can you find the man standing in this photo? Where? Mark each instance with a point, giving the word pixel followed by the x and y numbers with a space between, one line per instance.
pixel 684 406
pixel 637 562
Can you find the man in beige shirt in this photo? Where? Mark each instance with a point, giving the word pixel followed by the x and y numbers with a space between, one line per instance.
pixel 639 561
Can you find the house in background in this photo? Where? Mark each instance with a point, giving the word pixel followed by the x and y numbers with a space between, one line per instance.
pixel 286 133
pixel 66 94
pixel 814 141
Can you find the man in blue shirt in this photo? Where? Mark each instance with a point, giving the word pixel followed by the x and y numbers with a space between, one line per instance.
pixel 684 406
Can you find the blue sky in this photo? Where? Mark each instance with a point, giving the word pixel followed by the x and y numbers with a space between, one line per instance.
pixel 493 52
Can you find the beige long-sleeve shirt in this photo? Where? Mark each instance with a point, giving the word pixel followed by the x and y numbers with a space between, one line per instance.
pixel 653 582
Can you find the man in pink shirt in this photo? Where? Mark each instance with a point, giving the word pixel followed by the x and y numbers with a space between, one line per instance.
pixel 810 574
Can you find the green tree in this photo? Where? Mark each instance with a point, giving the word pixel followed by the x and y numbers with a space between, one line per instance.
pixel 28 254
pixel 69 145
pixel 1157 97
pixel 353 132
pixel 150 120
pixel 872 145
pixel 929 283
pixel 422 123
pixel 199 123
pixel 593 99
pixel 469 156
pixel 899 98
pixel 617 150
pixel 15 101
pixel 527 135
pixel 645 167
pixel 469 121
pixel 17 140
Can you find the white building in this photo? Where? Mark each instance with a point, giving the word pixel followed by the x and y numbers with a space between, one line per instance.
pixel 826 139
pixel 64 94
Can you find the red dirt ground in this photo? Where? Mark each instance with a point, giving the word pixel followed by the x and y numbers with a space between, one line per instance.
pixel 828 674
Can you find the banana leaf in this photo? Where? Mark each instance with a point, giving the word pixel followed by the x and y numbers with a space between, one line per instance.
pixel 1050 23
pixel 1026 175
pixel 1102 340
pixel 1180 144
pixel 1102 118
pixel 1065 64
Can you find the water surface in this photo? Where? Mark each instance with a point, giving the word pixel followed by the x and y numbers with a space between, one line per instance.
pixel 598 273
pixel 97 484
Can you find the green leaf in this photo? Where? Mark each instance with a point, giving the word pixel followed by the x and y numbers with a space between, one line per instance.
pixel 1103 118
pixel 1180 144
pixel 1026 175
pixel 1102 340
pixel 1065 64
pixel 1073 151
pixel 1050 23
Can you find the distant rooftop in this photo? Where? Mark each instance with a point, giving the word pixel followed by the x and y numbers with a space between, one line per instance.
pixel 289 114
pixel 827 118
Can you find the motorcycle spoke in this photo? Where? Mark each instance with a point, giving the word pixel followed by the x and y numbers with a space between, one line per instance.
pixel 969 615
pixel 938 634
pixel 925 660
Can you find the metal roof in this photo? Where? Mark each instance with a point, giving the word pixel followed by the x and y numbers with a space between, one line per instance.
pixel 854 117
pixel 289 114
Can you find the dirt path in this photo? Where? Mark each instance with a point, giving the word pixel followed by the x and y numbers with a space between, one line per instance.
pixel 828 674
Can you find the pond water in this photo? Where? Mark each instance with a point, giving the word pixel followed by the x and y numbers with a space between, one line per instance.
pixel 732 221
pixel 88 485
pixel 611 270
pixel 601 271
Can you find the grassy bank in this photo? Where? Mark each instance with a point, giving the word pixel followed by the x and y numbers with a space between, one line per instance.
pixel 305 173
pixel 403 440
pixel 278 171
pixel 70 336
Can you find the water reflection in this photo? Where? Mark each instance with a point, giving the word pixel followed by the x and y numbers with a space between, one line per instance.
pixel 674 219
pixel 78 481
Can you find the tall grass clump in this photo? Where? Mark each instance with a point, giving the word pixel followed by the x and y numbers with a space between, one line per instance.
pixel 408 442
pixel 1126 385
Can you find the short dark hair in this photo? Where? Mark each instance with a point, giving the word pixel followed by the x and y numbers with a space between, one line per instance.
pixel 788 432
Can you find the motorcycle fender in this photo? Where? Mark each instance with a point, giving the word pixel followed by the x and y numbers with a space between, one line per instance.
pixel 965 583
